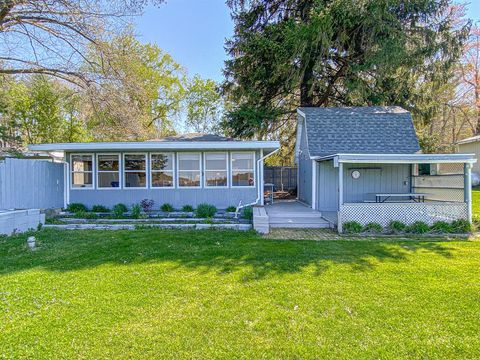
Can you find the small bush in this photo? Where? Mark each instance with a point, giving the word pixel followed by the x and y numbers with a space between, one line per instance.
pixel 147 204
pixel 418 227
pixel 206 211
pixel 167 207
pixel 352 227
pixel 461 226
pixel 187 208
pixel 248 213
pixel 373 227
pixel 396 226
pixel 118 210
pixel 100 209
pixel 231 209
pixel 85 215
pixel 136 211
pixel 76 207
pixel 441 227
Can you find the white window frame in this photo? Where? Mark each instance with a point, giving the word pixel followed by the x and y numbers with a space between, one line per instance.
pixel 199 166
pixel 72 187
pixel 205 170
pixel 254 170
pixel 124 172
pixel 97 182
pixel 155 171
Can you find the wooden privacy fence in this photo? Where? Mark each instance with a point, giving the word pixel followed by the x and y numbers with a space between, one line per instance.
pixel 31 184
pixel 278 175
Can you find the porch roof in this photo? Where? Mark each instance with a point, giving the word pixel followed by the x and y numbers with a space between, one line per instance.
pixel 399 158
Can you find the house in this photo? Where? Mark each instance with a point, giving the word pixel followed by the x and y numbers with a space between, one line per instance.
pixel 471 145
pixel 179 170
pixel 364 164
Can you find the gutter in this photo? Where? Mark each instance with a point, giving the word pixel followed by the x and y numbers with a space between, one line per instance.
pixel 260 185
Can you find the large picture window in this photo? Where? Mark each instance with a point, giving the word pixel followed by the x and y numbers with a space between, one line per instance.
pixel 161 167
pixel 189 173
pixel 243 173
pixel 216 169
pixel 108 171
pixel 135 169
pixel 82 171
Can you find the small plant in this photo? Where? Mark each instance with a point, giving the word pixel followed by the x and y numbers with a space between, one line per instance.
pixel 441 227
pixel 352 227
pixel 231 209
pixel 461 226
pixel 396 227
pixel 118 210
pixel 167 207
pixel 206 211
pixel 100 209
pixel 76 207
pixel 187 208
pixel 373 227
pixel 90 215
pixel 248 213
pixel 147 204
pixel 136 211
pixel 418 227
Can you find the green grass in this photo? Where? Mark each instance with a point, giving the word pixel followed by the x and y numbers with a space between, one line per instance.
pixel 476 202
pixel 226 294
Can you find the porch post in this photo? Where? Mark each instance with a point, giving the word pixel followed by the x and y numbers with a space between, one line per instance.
pixel 468 189
pixel 261 185
pixel 314 185
pixel 340 196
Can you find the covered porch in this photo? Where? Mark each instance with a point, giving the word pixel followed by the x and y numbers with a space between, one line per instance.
pixel 385 187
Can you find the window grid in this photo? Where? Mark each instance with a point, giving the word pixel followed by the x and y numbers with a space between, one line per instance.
pixel 199 170
pixel 239 170
pixel 125 171
pixel 208 170
pixel 153 171
pixel 73 172
pixel 99 172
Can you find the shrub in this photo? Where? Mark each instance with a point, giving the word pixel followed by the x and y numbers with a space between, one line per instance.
pixel 461 226
pixel 147 204
pixel 352 227
pixel 396 226
pixel 231 209
pixel 248 213
pixel 136 211
pixel 85 215
pixel 187 208
pixel 206 211
pixel 441 227
pixel 76 207
pixel 100 208
pixel 373 227
pixel 418 227
pixel 167 207
pixel 118 210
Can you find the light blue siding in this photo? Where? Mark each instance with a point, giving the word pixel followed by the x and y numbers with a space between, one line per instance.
pixel 220 197
pixel 30 184
pixel 304 169
pixel 327 192
pixel 382 178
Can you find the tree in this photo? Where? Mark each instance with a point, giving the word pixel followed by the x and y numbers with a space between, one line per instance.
pixel 52 37
pixel 204 105
pixel 290 53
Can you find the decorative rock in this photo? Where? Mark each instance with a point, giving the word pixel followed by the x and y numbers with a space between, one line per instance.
pixel 31 242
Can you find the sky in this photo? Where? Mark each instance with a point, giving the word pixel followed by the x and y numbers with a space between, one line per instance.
pixel 194 32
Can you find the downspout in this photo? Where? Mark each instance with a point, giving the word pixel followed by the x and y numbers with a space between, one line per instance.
pixel 260 185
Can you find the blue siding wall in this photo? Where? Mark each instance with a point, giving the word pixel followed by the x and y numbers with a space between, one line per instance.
pixel 304 169
pixel 31 184
pixel 327 192
pixel 220 197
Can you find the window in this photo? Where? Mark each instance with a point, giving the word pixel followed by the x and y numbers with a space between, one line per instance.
pixel 161 166
pixel 135 167
pixel 243 169
pixel 423 169
pixel 215 169
pixel 82 171
pixel 189 170
pixel 108 171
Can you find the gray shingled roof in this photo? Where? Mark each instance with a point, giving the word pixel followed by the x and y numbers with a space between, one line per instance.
pixel 194 137
pixel 360 130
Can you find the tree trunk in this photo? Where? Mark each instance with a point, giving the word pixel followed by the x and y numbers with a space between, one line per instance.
pixel 308 62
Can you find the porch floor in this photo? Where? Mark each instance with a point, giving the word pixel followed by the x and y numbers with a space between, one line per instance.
pixel 293 214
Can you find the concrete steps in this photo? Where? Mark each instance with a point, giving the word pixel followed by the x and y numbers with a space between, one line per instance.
pixel 299 220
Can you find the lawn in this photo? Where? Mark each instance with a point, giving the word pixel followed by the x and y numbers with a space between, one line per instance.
pixel 226 294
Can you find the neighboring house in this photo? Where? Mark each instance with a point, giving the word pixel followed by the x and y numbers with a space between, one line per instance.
pixel 363 164
pixel 180 170
pixel 470 145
